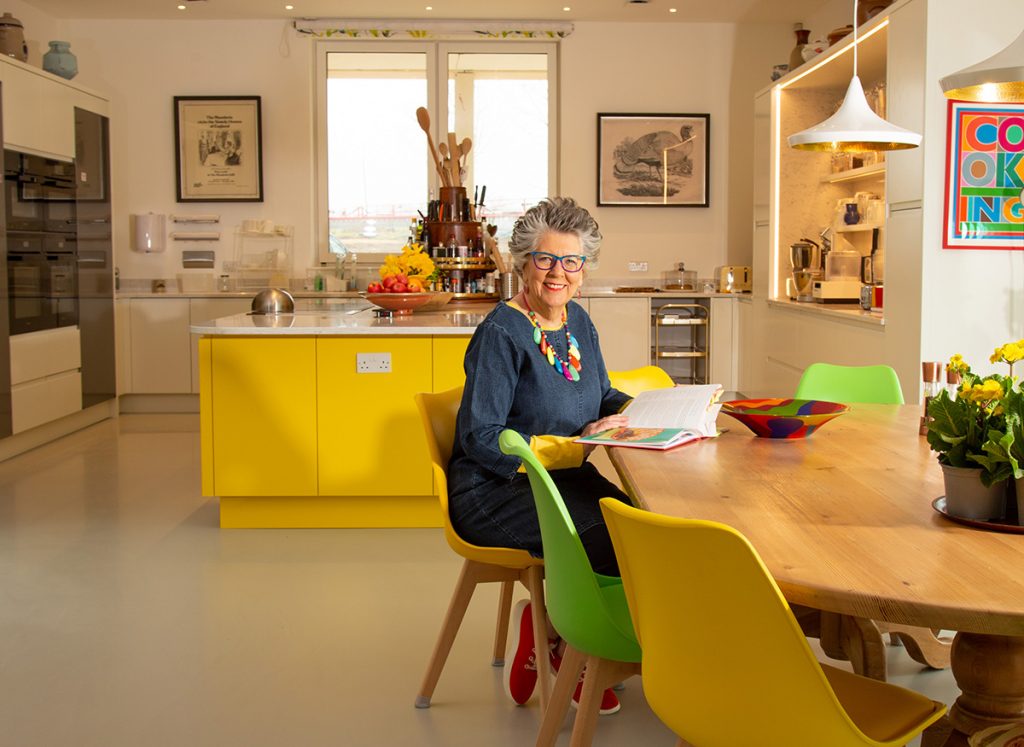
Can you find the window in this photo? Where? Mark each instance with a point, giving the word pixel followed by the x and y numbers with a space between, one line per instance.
pixel 376 174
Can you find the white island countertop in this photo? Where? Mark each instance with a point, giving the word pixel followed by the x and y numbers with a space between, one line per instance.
pixel 349 317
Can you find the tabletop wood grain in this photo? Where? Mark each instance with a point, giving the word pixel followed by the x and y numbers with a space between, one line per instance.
pixel 843 519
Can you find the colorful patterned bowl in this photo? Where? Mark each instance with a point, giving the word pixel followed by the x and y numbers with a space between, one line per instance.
pixel 398 303
pixel 783 418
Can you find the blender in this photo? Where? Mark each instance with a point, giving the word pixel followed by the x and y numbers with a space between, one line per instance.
pixel 805 258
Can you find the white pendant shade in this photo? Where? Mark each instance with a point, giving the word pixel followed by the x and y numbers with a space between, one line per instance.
pixel 854 128
pixel 1000 78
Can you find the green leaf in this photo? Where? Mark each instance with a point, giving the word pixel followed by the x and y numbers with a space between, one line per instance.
pixel 949 417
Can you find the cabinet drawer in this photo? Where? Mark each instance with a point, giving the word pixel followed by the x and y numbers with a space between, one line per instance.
pixel 38 115
pixel 44 353
pixel 42 400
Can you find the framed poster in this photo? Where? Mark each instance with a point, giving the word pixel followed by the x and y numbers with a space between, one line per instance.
pixel 984 176
pixel 219 148
pixel 657 160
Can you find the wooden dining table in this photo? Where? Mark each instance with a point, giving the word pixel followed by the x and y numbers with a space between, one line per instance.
pixel 845 523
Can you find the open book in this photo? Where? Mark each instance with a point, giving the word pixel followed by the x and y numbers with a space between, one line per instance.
pixel 663 418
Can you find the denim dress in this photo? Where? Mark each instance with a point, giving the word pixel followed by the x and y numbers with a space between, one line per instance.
pixel 510 384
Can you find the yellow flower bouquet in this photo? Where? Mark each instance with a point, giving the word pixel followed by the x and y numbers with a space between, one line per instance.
pixel 411 271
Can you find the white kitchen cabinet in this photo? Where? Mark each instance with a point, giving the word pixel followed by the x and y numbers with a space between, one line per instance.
pixel 623 325
pixel 46 379
pixel 38 111
pixel 123 349
pixel 160 359
pixel 905 105
pixel 722 360
pixel 203 310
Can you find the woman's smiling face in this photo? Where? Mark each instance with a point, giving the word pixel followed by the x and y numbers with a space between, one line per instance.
pixel 549 291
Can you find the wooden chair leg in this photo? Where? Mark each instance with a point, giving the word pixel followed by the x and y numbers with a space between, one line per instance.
pixel 600 674
pixel 922 644
pixel 554 715
pixel 464 588
pixel 534 581
pixel 501 630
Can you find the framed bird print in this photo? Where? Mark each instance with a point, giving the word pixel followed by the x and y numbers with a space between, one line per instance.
pixel 653 160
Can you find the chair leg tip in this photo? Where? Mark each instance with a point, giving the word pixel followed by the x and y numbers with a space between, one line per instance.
pixel 498 663
pixel 619 687
pixel 422 701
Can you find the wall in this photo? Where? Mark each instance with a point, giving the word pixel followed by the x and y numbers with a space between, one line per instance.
pixel 973 300
pixel 142 65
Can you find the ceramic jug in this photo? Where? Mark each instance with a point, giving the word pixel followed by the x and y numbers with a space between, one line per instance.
pixel 60 61
pixel 12 38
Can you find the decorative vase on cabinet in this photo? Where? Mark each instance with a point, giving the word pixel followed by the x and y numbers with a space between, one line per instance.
pixel 796 58
pixel 60 60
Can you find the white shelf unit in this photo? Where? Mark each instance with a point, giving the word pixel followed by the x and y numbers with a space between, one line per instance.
pixel 682 339
pixel 263 260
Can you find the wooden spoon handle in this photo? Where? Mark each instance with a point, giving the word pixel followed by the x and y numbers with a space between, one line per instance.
pixel 423 117
pixel 453 154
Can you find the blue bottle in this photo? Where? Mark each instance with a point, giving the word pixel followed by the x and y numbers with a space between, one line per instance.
pixel 60 61
pixel 852 216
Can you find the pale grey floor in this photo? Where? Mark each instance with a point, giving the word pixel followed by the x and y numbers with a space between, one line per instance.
pixel 128 618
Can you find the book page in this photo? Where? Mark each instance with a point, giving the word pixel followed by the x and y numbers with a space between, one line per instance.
pixel 691 407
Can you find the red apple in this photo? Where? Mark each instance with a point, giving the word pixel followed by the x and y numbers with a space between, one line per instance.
pixel 399 288
pixel 389 281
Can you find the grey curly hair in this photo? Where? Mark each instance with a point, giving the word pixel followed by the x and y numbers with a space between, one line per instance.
pixel 558 214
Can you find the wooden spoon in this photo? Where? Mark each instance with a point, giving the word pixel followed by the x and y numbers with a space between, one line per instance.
pixel 464 147
pixel 423 117
pixel 453 153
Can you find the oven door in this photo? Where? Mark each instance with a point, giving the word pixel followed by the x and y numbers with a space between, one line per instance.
pixel 27 280
pixel 61 280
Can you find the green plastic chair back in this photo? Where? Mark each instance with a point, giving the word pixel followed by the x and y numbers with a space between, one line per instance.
pixel 868 384
pixel 587 609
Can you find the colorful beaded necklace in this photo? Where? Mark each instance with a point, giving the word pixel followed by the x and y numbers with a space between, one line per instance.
pixel 569 369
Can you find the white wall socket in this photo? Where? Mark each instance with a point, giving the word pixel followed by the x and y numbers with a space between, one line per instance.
pixel 373 362
pixel 638 267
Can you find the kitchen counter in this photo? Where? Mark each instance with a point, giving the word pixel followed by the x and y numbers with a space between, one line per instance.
pixel 349 317
pixel 847 312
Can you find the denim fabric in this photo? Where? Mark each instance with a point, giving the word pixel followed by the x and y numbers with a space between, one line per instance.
pixel 510 384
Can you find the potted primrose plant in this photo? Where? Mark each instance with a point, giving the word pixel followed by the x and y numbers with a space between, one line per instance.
pixel 964 430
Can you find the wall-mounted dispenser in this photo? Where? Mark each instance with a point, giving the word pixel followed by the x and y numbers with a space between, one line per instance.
pixel 150 233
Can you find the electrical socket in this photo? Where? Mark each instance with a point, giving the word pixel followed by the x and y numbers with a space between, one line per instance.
pixel 373 362
pixel 638 267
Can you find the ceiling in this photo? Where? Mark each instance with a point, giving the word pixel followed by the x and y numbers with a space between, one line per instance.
pixel 745 11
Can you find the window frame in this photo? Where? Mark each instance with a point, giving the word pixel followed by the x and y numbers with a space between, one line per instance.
pixel 437 73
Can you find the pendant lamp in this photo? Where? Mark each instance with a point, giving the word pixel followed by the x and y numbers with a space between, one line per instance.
pixel 855 127
pixel 1000 78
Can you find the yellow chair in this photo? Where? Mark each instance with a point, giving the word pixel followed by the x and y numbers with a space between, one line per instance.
pixel 637 380
pixel 482 564
pixel 725 662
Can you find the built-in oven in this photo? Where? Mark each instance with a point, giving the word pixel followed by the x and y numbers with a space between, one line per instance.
pixel 42 276
pixel 39 193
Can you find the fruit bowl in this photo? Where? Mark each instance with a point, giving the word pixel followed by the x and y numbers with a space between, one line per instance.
pixel 398 303
pixel 783 418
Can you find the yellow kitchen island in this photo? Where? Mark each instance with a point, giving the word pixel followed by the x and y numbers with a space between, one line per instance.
pixel 308 419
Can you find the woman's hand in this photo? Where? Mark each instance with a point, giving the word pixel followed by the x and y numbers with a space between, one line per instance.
pixel 612 421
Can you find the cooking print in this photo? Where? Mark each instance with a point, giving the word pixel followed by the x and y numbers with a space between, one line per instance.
pixel 653 159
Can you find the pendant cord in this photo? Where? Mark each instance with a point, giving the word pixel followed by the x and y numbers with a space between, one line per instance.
pixel 855 38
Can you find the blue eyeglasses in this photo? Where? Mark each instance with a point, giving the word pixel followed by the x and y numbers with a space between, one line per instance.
pixel 570 262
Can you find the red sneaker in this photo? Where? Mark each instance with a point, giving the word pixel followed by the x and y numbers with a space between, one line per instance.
pixel 521 666
pixel 609 700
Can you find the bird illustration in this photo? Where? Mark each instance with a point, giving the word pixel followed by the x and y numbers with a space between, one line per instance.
pixel 654 148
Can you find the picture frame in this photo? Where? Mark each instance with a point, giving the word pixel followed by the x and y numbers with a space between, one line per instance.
pixel 218 148
pixel 984 171
pixel 653 160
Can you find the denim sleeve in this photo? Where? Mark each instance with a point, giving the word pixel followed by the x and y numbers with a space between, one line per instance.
pixel 492 372
pixel 612 400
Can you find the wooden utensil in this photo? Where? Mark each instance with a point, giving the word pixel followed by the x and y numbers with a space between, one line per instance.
pixel 492 245
pixel 453 154
pixel 464 147
pixel 423 117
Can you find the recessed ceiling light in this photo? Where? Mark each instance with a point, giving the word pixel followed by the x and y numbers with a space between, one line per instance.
pixel 289 7
pixel 566 8
pixel 430 7
pixel 671 10
pixel 181 7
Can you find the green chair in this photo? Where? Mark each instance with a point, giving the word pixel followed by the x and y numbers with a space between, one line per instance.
pixel 725 662
pixel 867 384
pixel 587 609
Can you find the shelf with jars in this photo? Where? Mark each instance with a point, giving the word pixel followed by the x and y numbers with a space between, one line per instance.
pixel 456 245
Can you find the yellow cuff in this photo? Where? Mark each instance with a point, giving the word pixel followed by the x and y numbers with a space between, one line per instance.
pixel 556 452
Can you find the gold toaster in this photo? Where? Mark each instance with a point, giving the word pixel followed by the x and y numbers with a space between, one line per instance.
pixel 733 279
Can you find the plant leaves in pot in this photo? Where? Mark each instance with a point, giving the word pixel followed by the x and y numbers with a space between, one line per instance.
pixel 961 430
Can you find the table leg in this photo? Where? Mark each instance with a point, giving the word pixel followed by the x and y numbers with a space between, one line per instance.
pixel 989 669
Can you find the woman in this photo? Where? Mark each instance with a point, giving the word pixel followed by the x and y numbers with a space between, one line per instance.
pixel 534 365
